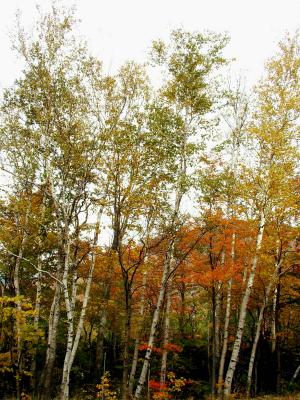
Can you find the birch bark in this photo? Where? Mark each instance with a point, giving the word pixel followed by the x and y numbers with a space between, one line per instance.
pixel 46 377
pixel 273 321
pixel 36 324
pixel 243 309
pixel 73 342
pixel 166 335
pixel 155 320
pixel 226 322
pixel 258 326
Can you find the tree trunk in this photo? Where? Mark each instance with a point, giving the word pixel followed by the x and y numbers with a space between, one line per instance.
pixel 36 325
pixel 225 338
pixel 258 328
pixel 182 316
pixel 254 347
pixel 73 342
pixel 137 340
pixel 134 365
pixel 166 335
pixel 114 346
pixel 164 279
pixel 19 306
pixel 273 322
pixel 126 349
pixel 243 310
pixel 278 350
pixel 46 378
pixel 100 347
pixel 218 311
pixel 213 342
pixel 64 390
pixel 294 377
pixel 37 302
pixel 218 321
pixel 226 322
pixel 155 320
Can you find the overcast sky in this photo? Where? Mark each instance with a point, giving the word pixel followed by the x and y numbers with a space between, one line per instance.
pixel 123 29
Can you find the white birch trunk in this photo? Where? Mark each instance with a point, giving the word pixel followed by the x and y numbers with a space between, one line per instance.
pixel 218 315
pixel 273 322
pixel 36 323
pixel 225 338
pixel 73 342
pixel 258 327
pixel 254 346
pixel 51 344
pixel 296 373
pixel 134 365
pixel 155 321
pixel 64 393
pixel 243 310
pixel 166 335
pixel 226 322
pixel 38 298
pixel 218 322
pixel 45 383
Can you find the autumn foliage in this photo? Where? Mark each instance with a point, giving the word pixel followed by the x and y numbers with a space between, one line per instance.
pixel 149 237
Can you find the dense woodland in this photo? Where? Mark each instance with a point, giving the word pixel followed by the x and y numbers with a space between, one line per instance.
pixel 149 235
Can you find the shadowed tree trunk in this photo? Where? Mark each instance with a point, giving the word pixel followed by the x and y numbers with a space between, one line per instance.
pixel 137 340
pixel 46 377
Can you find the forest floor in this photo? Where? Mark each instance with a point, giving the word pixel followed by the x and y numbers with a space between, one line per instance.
pixel 295 396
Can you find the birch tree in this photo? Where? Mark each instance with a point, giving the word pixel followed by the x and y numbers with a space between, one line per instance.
pixel 273 128
pixel 189 62
pixel 135 180
pixel 235 116
pixel 48 109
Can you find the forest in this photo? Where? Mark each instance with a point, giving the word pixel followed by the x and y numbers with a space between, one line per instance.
pixel 149 221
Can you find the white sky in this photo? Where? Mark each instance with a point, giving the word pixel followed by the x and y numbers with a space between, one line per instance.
pixel 117 30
